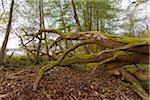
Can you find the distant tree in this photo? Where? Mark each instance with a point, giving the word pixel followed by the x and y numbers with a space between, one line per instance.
pixel 136 21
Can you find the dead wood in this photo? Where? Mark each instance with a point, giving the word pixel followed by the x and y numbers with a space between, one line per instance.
pixel 116 50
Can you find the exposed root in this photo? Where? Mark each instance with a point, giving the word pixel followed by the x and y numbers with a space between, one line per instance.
pixel 136 86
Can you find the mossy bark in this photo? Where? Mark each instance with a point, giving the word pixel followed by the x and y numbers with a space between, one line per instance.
pixel 118 51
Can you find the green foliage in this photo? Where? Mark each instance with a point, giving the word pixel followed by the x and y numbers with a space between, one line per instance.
pixel 145 84
pixel 21 61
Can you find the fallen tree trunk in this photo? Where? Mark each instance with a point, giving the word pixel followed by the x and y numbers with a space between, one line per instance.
pixel 116 52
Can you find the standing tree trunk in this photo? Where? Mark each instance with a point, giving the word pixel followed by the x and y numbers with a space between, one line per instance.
pixel 102 25
pixel 90 17
pixel 38 59
pixel 77 21
pixel 3 48
pixel 97 20
pixel 43 27
pixel 62 19
pixel 76 16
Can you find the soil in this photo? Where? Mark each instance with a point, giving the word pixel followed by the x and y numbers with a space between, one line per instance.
pixel 64 83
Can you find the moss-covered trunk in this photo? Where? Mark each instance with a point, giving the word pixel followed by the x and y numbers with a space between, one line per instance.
pixel 113 52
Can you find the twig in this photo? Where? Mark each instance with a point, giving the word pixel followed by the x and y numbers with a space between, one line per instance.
pixel 124 96
pixel 8 94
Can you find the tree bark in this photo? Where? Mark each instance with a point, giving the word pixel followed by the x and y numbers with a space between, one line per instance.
pixel 3 48
pixel 76 16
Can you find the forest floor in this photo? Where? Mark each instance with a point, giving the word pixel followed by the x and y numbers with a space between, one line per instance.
pixel 63 84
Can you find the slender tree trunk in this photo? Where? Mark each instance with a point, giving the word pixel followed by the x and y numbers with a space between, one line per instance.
pixel 62 17
pixel 63 22
pixel 102 24
pixel 2 51
pixel 76 16
pixel 90 17
pixel 77 21
pixel 132 27
pixel 38 58
pixel 43 27
pixel 97 20
pixel 84 16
